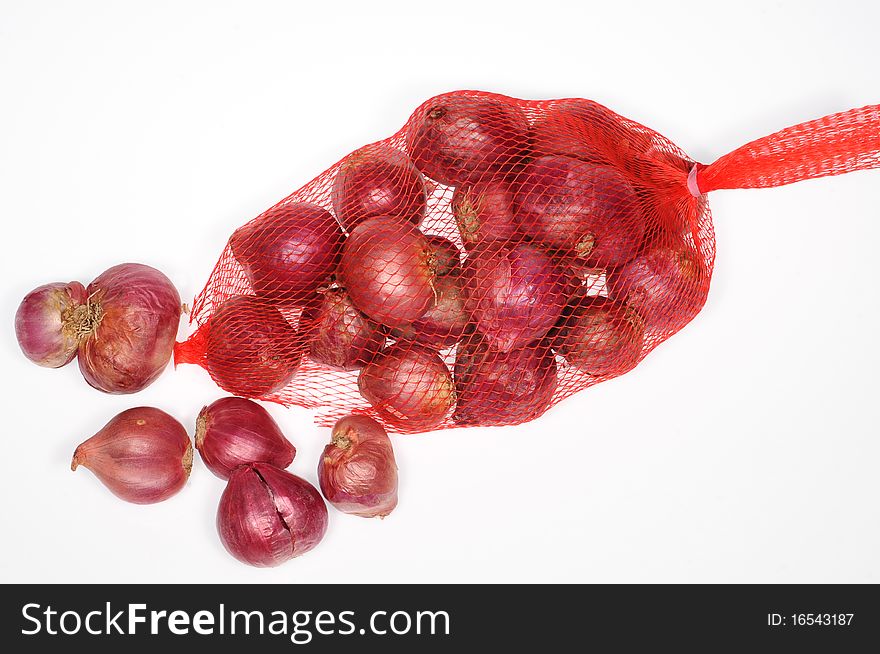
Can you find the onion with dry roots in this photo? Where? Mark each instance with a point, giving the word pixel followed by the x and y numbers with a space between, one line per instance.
pixel 409 385
pixel 46 323
pixel 127 328
pixel 485 211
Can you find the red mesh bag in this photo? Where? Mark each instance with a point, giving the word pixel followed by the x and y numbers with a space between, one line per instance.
pixel 489 260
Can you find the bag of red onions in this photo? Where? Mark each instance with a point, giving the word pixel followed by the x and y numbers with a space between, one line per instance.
pixel 487 261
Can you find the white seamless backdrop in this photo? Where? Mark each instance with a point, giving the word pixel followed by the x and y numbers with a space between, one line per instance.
pixel 745 449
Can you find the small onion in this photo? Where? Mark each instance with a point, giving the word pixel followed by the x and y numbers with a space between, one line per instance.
pixel 288 252
pixel 514 293
pixel 455 138
pixel 581 210
pixel 251 349
pixel 128 328
pixel 447 256
pixel 357 471
pixel 234 431
pixel 409 386
pixel 268 516
pixel 388 270
pixel 339 335
pixel 502 388
pixel 445 322
pixel 46 323
pixel 142 455
pixel 667 285
pixel 378 180
pixel 599 335
pixel 485 211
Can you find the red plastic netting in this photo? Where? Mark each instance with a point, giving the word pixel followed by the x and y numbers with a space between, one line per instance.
pixel 492 258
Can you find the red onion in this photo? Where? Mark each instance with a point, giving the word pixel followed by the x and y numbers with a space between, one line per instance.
pixel 514 293
pixel 667 285
pixel 251 349
pixel 502 388
pixel 378 180
pixel 128 328
pixel 288 252
pixel 387 268
pixel 268 516
pixel 409 385
pixel 357 471
pixel 339 335
pixel 142 455
pixel 599 335
pixel 590 212
pixel 588 131
pixel 485 211
pixel 234 431
pixel 445 322
pixel 46 323
pixel 447 256
pixel 455 138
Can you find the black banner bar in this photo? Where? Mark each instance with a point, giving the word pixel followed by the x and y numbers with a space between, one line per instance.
pixel 436 618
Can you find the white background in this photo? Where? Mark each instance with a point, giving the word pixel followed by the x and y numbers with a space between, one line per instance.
pixel 743 450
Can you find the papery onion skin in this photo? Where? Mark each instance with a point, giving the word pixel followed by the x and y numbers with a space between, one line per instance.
pixel 234 431
pixel 268 516
pixel 454 138
pixel 130 326
pixel 339 335
pixel 600 336
pixel 580 210
pixel 288 252
pixel 447 256
pixel 378 180
pixel 142 455
pixel 485 211
pixel 502 388
pixel 387 269
pixel 667 285
pixel 514 293
pixel 357 471
pixel 409 385
pixel 445 322
pixel 45 323
pixel 587 131
pixel 251 349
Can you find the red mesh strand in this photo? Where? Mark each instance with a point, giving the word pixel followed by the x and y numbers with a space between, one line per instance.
pixel 492 258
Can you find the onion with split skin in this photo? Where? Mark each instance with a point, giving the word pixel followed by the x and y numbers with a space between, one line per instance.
pixel 485 211
pixel 47 323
